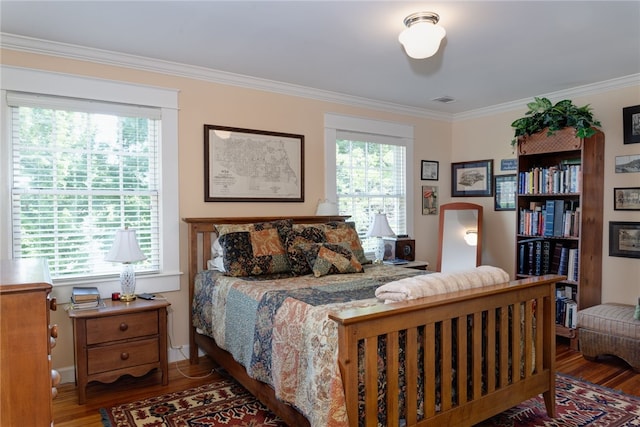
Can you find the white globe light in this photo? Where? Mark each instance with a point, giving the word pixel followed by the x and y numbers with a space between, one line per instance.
pixel 421 39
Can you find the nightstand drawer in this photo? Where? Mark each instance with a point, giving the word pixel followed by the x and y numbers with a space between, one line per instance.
pixel 121 327
pixel 123 355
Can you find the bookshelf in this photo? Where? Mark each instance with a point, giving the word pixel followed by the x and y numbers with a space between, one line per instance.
pixel 559 218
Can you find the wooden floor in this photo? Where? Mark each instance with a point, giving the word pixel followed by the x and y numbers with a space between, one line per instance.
pixel 611 372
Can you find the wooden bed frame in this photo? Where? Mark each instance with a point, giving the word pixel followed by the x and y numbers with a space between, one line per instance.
pixel 531 300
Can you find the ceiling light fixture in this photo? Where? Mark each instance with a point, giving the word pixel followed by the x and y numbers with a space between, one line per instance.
pixel 421 39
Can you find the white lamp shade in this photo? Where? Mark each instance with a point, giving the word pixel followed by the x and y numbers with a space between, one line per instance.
pixel 422 39
pixel 125 248
pixel 380 227
pixel 326 207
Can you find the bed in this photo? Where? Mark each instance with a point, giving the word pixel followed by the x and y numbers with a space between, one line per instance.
pixel 451 359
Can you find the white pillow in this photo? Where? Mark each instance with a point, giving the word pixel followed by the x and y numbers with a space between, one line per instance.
pixel 216 249
pixel 216 264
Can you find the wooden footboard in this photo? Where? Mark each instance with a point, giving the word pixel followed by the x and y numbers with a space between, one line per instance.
pixel 503 352
pixel 497 349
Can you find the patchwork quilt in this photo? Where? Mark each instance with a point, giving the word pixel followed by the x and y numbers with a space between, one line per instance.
pixel 278 328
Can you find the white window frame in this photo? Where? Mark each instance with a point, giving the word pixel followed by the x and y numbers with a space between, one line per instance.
pixel 67 85
pixel 336 122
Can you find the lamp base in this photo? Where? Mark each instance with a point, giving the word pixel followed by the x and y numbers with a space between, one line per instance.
pixel 379 251
pixel 127 283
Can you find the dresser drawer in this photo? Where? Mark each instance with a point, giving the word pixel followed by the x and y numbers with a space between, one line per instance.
pixel 124 326
pixel 122 355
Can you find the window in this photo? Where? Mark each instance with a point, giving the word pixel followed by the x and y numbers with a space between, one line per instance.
pixel 368 172
pixel 81 168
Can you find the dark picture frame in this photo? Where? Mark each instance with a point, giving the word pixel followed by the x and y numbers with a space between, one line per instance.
pixel 631 124
pixel 472 179
pixel 505 188
pixel 628 164
pixel 624 239
pixel 626 199
pixel 246 165
pixel 430 170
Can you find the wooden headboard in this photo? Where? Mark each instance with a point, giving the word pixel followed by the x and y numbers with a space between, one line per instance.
pixel 202 232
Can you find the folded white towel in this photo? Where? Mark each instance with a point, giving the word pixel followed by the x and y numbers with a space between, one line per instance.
pixel 440 283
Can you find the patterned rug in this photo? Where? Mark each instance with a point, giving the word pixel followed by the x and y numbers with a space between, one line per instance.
pixel 225 403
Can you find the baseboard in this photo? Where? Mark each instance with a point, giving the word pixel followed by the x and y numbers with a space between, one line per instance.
pixel 68 373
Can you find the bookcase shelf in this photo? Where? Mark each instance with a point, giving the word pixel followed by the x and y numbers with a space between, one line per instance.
pixel 559 207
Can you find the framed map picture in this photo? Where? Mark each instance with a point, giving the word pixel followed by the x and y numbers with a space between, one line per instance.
pixel 244 165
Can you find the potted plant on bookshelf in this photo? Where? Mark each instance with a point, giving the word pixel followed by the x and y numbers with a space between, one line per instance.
pixel 545 116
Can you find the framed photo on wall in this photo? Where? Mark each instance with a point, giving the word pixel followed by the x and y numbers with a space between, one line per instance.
pixel 505 192
pixel 624 239
pixel 472 179
pixel 429 170
pixel 429 200
pixel 628 164
pixel 631 124
pixel 626 199
pixel 244 165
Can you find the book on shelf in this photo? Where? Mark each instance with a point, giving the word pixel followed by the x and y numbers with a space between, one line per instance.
pixel 85 294
pixel 555 259
pixel 564 261
pixel 557 219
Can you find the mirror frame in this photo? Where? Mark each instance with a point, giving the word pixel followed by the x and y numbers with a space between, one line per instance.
pixel 459 206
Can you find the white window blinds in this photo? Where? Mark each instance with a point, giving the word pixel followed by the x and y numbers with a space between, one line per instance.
pixel 371 177
pixel 81 170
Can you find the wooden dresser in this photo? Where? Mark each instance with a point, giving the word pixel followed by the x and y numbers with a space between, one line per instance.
pixel 27 382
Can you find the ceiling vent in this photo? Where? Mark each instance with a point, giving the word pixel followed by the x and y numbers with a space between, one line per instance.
pixel 444 99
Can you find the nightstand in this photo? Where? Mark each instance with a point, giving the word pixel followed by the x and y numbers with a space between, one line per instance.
pixel 120 338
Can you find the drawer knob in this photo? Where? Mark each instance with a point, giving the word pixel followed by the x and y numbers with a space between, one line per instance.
pixel 123 326
pixel 53 304
pixel 55 377
pixel 53 330
pixel 124 355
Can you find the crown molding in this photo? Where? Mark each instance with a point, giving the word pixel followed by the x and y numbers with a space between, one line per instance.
pixel 585 90
pixel 100 56
pixel 65 50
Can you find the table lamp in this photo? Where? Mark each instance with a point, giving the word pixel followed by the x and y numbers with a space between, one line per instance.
pixel 125 249
pixel 380 228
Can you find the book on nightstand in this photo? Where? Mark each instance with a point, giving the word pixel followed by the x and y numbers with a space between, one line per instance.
pixel 85 297
pixel 85 294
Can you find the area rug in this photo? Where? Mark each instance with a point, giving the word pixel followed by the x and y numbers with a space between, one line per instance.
pixel 226 403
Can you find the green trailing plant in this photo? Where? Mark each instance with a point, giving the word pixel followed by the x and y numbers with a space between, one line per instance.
pixel 543 114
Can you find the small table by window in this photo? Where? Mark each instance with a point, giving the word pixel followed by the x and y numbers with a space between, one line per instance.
pixel 120 338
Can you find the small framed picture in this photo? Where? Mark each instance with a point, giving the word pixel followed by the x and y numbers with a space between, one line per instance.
pixel 628 164
pixel 631 124
pixel 429 171
pixel 429 200
pixel 505 192
pixel 626 199
pixel 472 179
pixel 624 239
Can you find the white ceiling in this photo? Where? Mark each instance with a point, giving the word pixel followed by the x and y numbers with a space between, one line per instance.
pixel 495 52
